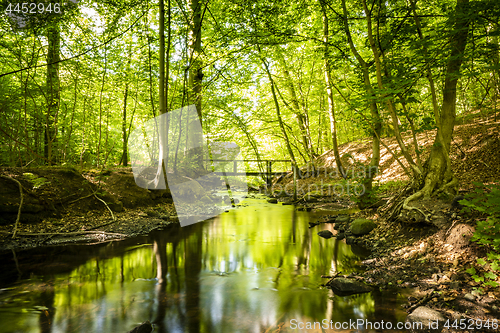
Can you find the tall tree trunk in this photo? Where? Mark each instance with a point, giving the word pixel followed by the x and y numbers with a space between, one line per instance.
pixel 331 103
pixel 194 140
pixel 438 176
pixel 159 181
pixel 377 56
pixel 103 81
pixel 124 127
pixel 278 113
pixel 377 124
pixel 296 109
pixel 195 63
pixel 53 96
pixel 161 83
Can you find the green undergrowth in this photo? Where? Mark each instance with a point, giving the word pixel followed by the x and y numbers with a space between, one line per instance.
pixel 485 199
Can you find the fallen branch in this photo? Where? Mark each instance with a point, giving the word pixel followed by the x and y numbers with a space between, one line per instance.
pixel 331 277
pixel 66 233
pixel 105 204
pixel 20 203
pixel 87 196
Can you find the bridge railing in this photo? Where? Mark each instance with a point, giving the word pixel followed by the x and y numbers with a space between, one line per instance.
pixel 268 170
pixel 233 170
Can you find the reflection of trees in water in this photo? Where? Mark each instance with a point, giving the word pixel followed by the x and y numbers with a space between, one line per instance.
pixel 192 269
pixel 256 269
pixel 186 250
pixel 47 303
pixel 352 307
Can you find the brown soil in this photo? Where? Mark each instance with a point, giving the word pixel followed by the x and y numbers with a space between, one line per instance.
pixel 61 205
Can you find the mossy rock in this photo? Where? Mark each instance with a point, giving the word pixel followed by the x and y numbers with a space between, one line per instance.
pixel 360 227
pixel 35 180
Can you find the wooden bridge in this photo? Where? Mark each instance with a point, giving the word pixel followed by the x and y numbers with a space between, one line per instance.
pixel 268 170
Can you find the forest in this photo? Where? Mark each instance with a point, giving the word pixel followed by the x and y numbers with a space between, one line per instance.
pixel 398 96
pixel 284 79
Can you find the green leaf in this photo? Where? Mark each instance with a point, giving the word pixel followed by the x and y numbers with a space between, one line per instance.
pixel 495 266
pixel 491 284
pixel 490 275
pixel 471 271
pixel 481 261
pixel 478 278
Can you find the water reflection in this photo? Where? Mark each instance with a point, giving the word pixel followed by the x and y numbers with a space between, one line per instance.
pixel 249 270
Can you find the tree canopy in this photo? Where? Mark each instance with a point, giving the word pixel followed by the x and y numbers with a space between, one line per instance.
pixel 282 79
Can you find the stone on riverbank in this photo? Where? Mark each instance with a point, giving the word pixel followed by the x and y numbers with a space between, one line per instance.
pixel 342 219
pixel 272 200
pixel 344 286
pixel 430 320
pixel 325 234
pixel 360 227
pixel 145 327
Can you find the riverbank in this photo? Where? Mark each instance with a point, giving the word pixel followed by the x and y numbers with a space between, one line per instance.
pixel 432 260
pixel 428 260
pixel 63 206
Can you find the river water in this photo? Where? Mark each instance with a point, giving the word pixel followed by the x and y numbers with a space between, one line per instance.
pixel 254 269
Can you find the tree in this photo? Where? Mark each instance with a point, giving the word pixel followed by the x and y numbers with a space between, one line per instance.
pixel 53 93
pixel 376 126
pixel 438 176
pixel 329 90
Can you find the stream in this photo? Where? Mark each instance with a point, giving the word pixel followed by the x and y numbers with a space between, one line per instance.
pixel 253 269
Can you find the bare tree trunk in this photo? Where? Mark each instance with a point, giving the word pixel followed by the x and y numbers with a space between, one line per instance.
pixel 438 176
pixel 389 101
pixel 278 113
pixel 331 103
pixel 124 159
pixel 301 117
pixel 377 125
pixel 103 81
pixel 195 76
pixel 53 96
pixel 195 64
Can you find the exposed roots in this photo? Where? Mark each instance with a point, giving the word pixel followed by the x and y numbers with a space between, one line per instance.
pixel 415 196
pixel 453 183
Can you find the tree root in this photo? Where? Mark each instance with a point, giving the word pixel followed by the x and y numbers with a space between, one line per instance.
pixel 87 196
pixel 415 196
pixel 395 210
pixel 394 204
pixel 452 183
pixel 94 194
pixel 105 204
pixel 20 203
